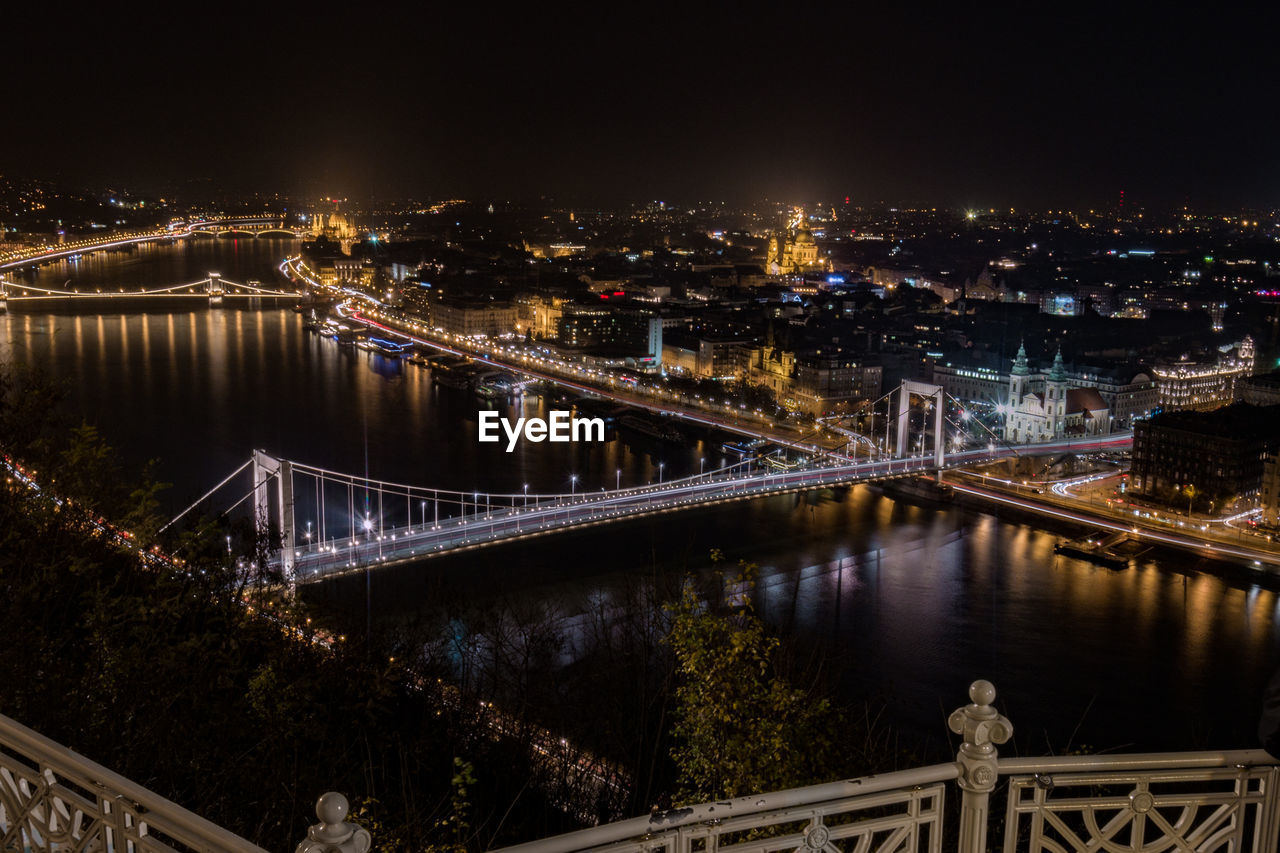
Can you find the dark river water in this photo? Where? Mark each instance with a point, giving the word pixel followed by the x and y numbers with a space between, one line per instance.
pixel 905 602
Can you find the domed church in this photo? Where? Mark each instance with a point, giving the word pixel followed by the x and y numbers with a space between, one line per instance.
pixel 794 251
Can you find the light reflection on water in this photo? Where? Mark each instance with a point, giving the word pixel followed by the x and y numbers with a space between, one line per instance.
pixel 912 603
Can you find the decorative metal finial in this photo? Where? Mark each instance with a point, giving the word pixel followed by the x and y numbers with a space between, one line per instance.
pixel 982 728
pixel 333 834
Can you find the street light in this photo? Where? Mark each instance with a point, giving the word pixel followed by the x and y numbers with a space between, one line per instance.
pixel 617 483
pixel 573 481
pixel 661 465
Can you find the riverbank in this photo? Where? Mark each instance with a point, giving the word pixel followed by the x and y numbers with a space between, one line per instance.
pixel 1203 543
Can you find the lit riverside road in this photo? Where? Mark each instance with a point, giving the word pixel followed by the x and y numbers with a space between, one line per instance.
pixel 697 414
pixel 1117 523
pixel 689 413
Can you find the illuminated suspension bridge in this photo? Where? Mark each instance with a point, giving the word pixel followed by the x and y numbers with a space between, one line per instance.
pixel 329 522
pixel 254 226
pixel 266 226
pixel 213 288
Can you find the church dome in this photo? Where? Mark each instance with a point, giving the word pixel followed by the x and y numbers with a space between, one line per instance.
pixel 804 236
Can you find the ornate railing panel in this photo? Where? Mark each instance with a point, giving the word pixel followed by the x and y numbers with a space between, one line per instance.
pixel 55 801
pixel 1129 808
pixel 880 823
pixel 889 813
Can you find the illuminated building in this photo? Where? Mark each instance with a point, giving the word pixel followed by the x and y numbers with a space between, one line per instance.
pixel 818 381
pixel 828 379
pixel 634 331
pixel 1059 303
pixel 352 272
pixel 1203 386
pixel 1126 390
pixel 1056 412
pixel 773 368
pixel 889 277
pixel 794 250
pixel 547 312
pixel 971 382
pixel 984 289
pixel 1220 453
pixel 706 356
pixel 680 357
pixel 335 226
pixel 470 315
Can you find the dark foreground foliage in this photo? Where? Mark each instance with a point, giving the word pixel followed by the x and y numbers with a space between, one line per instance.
pixel 241 714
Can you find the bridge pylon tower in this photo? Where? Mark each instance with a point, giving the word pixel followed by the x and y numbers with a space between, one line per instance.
pixel 216 288
pixel 935 393
pixel 265 469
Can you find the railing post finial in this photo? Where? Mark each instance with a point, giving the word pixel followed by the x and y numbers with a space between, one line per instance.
pixel 981 727
pixel 333 834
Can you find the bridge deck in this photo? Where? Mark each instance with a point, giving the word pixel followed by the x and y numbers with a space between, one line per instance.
pixel 542 516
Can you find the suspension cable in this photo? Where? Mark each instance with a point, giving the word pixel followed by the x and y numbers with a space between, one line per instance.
pixel 206 495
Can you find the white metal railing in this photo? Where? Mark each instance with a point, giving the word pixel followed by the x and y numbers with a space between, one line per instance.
pixel 1186 801
pixel 52 799
pixel 906 806
pixel 1179 801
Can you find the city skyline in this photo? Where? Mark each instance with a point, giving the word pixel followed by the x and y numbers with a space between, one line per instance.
pixel 641 423
pixel 957 109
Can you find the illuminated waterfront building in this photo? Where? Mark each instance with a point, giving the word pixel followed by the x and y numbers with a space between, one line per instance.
pixel 819 381
pixel 705 356
pixel 1203 386
pixel 334 225
pixel 634 332
pixel 467 315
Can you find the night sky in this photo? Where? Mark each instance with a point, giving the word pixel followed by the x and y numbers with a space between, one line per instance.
pixel 611 102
